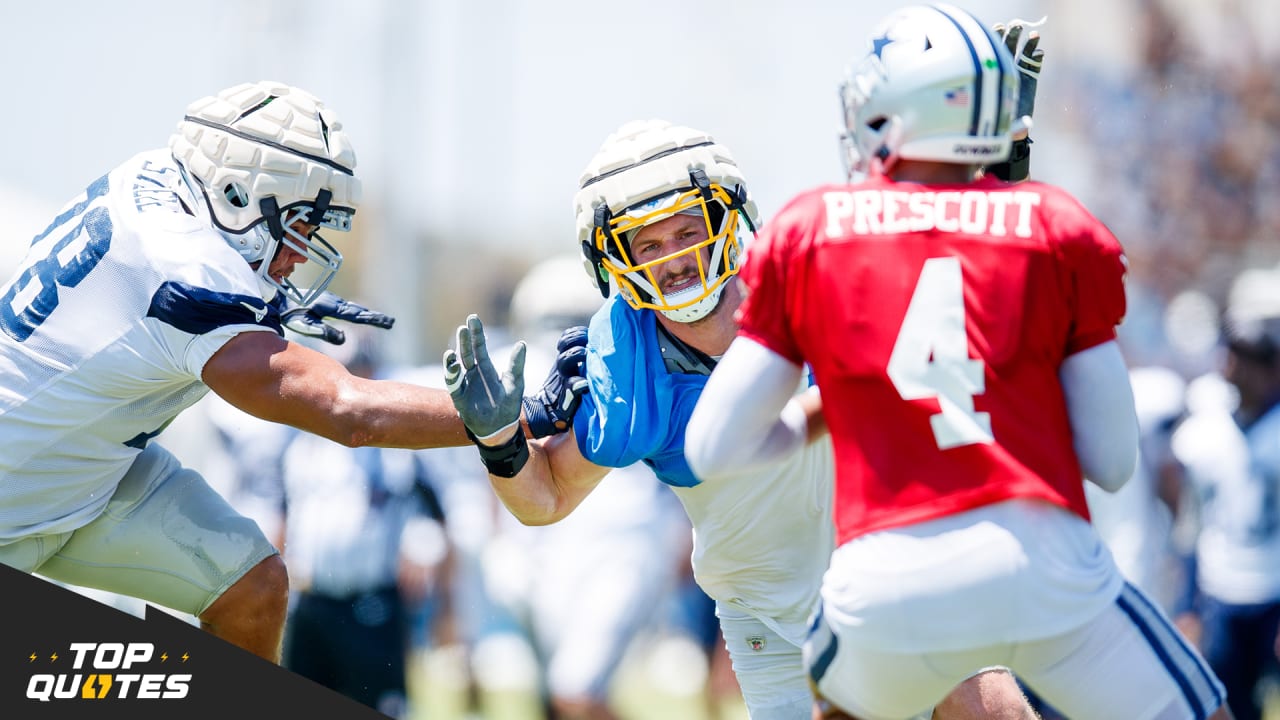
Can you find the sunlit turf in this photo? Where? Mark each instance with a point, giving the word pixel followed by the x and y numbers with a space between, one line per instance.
pixel 647 687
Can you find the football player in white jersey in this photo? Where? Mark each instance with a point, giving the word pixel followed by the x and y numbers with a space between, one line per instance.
pixel 164 279
pixel 1231 452
pixel 662 214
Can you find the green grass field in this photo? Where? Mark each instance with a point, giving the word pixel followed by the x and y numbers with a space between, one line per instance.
pixel 437 692
pixel 650 685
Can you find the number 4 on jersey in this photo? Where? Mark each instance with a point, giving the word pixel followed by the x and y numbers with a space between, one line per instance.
pixel 931 356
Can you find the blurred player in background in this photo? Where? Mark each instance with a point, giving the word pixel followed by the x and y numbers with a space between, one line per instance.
pixel 662 214
pixel 165 278
pixel 364 542
pixel 586 586
pixel 962 330
pixel 1137 521
pixel 1231 451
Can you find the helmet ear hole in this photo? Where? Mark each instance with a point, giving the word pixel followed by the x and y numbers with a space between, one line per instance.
pixel 236 194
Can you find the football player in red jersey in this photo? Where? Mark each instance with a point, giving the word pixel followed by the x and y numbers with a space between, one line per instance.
pixel 962 331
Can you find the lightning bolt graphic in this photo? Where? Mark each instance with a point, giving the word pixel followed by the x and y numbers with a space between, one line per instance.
pixel 33 657
pixel 184 657
pixel 54 657
pixel 164 657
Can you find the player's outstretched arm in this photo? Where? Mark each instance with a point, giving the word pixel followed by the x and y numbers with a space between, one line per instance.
pixel 281 381
pixel 748 416
pixel 555 480
pixel 539 481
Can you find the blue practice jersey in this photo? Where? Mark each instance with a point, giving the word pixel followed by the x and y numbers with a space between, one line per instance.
pixel 636 410
pixel 761 538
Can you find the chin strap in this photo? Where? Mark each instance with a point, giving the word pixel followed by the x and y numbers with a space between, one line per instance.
pixel 319 207
pixel 882 161
pixel 271 214
pixel 1018 167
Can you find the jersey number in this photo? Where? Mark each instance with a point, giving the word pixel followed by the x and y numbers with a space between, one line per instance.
pixel 34 294
pixel 930 358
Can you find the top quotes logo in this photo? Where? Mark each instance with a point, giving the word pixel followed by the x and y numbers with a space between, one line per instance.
pixel 108 671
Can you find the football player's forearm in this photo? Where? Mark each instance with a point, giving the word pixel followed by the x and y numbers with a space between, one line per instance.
pixel 400 415
pixel 358 412
pixel 531 495
pixel 815 422
pixel 748 416
pixel 284 382
pixel 553 482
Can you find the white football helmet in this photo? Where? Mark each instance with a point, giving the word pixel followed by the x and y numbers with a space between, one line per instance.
pixel 266 156
pixel 647 171
pixel 552 296
pixel 937 85
pixel 1251 323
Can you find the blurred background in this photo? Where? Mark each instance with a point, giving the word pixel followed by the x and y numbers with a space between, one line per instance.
pixel 473 118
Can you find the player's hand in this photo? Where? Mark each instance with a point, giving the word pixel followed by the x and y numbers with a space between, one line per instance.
pixel 1023 42
pixel 550 410
pixel 488 403
pixel 309 320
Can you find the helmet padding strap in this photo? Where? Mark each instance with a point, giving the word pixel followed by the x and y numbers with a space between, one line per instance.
pixel 271 214
pixel 320 207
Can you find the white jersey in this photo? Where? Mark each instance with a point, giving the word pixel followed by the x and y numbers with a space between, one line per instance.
pixel 763 539
pixel 104 332
pixel 1236 473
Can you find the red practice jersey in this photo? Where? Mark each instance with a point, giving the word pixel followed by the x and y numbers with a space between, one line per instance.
pixel 935 318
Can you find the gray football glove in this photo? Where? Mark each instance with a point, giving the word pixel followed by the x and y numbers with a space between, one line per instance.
pixel 488 403
pixel 1024 44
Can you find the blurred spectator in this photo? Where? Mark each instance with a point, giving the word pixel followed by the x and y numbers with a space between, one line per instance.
pixel 1182 119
